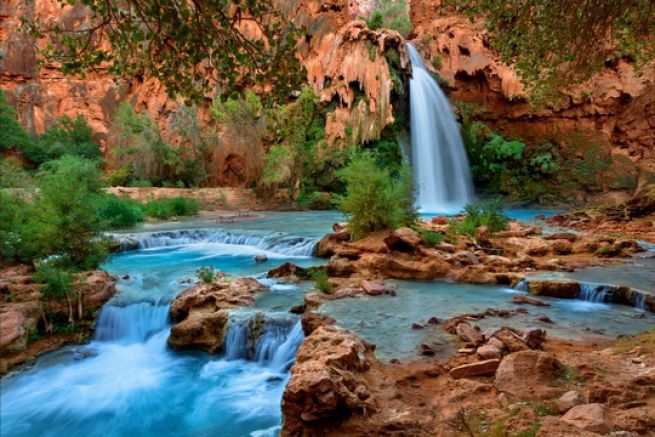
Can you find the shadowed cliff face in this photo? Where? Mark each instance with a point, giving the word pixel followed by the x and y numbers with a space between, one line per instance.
pixel 615 102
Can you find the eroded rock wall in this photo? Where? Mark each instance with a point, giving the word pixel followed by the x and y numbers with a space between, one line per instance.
pixel 616 106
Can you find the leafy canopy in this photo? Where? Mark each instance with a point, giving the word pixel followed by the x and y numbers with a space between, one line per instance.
pixel 554 43
pixel 191 46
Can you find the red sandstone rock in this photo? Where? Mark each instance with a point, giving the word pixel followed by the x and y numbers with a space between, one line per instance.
pixel 588 417
pixel 403 239
pixel 486 367
pixel 522 298
pixel 528 375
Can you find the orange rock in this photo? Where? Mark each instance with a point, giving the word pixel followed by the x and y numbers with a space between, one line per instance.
pixel 486 367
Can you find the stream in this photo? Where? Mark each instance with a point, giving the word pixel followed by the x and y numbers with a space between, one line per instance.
pixel 127 381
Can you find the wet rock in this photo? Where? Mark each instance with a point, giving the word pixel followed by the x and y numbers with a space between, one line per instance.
pixel 433 321
pixel 330 243
pixel 261 259
pixel 479 368
pixel 561 288
pixel 426 349
pixel 544 318
pixel 403 239
pixel 417 326
pixel 287 270
pixel 298 309
pixel 374 288
pixel 203 331
pixel 340 267
pixel 523 299
pixel 588 417
pixel 528 376
pixel 569 400
pixel 312 321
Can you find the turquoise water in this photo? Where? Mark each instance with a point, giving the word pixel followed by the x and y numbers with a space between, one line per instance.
pixel 128 382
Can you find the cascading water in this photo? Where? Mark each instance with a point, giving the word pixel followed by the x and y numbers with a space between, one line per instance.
pixel 439 161
pixel 277 243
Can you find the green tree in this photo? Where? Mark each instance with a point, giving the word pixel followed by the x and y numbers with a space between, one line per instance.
pixel 65 137
pixel 12 134
pixel 64 222
pixel 374 199
pixel 13 213
pixel 554 43
pixel 190 46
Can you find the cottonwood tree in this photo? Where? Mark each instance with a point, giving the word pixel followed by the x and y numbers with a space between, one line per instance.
pixel 192 46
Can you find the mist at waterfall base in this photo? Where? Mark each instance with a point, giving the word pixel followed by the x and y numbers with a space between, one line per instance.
pixel 127 381
pixel 439 162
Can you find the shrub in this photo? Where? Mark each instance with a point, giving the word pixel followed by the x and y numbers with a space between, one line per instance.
pixel 64 222
pixel 13 175
pixel 391 14
pixel 489 214
pixel 12 134
pixel 12 216
pixel 117 212
pixel 65 137
pixel 375 200
pixel 375 21
pixel 168 207
pixel 58 283
pixel 431 238
pixel 322 281
pixel 206 275
pixel 437 62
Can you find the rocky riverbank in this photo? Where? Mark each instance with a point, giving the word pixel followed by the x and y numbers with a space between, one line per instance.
pixel 501 380
pixel 34 323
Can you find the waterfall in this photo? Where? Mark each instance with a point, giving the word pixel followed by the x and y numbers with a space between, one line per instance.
pixel 276 242
pixel 598 293
pixel 272 345
pixel 130 324
pixel 439 161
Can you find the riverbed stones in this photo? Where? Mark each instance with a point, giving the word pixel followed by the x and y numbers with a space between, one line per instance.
pixel 469 334
pixel 560 288
pixel 520 299
pixel 478 368
pixel 489 351
pixel 588 417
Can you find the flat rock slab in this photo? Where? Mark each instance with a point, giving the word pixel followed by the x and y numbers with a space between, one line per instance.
pixel 486 367
pixel 589 417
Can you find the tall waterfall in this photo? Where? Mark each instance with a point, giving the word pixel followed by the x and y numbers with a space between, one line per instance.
pixel 441 169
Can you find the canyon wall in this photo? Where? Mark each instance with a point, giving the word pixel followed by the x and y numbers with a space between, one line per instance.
pixel 348 66
pixel 615 107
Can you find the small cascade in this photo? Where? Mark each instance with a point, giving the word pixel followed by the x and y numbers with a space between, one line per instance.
pixel 598 293
pixel 278 243
pixel 270 339
pixel 130 324
pixel 439 160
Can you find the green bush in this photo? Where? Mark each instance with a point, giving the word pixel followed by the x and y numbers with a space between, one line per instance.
pixel 489 214
pixel 391 14
pixel 58 283
pixel 64 221
pixel 120 213
pixel 322 281
pixel 169 207
pixel 375 21
pixel 65 137
pixel 12 134
pixel 431 238
pixel 206 275
pixel 375 200
pixel 13 214
pixel 13 175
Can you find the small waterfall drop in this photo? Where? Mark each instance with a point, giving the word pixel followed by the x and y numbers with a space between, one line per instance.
pixel 130 324
pixel 439 161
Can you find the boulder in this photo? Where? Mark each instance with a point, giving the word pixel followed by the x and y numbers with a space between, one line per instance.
pixel 511 340
pixel 374 288
pixel 569 400
pixel 403 239
pixel 204 331
pixel 489 351
pixel 330 243
pixel 486 367
pixel 588 417
pixel 327 381
pixel 561 288
pixel 289 269
pixel 312 321
pixel 534 338
pixel 529 376
pixel 568 236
